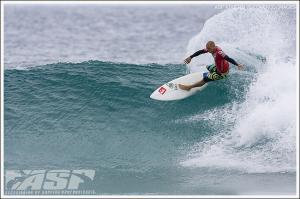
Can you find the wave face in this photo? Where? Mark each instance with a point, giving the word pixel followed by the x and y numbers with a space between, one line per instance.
pixel 108 106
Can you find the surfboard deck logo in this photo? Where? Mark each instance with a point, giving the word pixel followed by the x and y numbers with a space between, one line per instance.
pixel 171 85
pixel 162 90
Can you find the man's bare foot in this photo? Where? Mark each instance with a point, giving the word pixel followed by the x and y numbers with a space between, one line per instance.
pixel 184 87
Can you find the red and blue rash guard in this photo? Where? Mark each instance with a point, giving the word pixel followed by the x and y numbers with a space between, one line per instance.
pixel 221 59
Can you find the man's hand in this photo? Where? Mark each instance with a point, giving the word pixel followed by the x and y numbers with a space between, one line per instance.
pixel 240 66
pixel 188 60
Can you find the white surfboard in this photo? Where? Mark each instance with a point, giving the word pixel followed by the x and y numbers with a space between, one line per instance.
pixel 171 91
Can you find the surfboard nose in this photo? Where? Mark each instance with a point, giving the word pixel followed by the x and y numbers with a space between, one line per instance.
pixel 152 96
pixel 156 95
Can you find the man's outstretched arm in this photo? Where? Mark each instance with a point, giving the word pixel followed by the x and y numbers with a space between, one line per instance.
pixel 230 60
pixel 199 52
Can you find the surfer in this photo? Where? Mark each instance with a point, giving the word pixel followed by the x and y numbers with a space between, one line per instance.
pixel 217 71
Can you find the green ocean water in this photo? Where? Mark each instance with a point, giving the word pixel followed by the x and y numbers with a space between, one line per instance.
pixel 98 115
pixel 108 106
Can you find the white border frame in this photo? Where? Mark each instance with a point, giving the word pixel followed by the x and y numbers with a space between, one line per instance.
pixel 143 3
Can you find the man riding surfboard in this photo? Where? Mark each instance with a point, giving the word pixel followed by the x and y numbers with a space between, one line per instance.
pixel 217 71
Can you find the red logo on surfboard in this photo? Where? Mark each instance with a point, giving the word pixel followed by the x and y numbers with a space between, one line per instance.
pixel 162 90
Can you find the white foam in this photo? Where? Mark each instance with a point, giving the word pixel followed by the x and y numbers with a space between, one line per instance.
pixel 263 137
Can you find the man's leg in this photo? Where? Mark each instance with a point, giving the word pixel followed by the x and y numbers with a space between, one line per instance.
pixel 189 87
pixel 207 77
pixel 211 68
